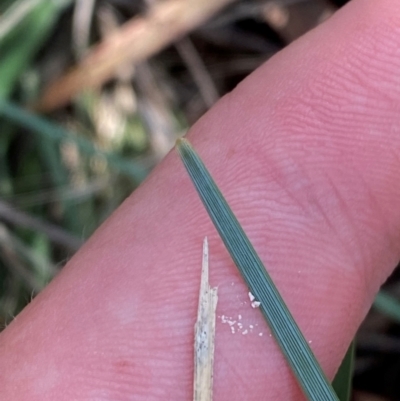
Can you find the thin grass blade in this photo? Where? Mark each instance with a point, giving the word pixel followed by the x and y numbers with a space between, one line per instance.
pixel 283 326
pixel 342 382
pixel 54 132
pixel 388 305
pixel 23 29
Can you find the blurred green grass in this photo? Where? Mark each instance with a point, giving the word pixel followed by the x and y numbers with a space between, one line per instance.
pixel 56 187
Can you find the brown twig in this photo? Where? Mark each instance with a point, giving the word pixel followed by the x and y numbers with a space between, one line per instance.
pixel 135 41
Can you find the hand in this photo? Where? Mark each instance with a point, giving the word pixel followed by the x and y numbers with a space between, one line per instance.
pixel 307 153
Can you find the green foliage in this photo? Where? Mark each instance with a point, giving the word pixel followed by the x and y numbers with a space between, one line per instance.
pixel 24 27
pixel 55 133
pixel 388 305
pixel 342 383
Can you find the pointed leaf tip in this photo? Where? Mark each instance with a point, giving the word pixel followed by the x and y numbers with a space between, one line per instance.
pixel 182 143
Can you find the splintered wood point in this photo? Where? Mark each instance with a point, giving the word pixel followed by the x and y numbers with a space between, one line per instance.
pixel 204 335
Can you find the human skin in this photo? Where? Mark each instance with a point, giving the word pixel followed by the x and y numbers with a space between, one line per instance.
pixel 306 151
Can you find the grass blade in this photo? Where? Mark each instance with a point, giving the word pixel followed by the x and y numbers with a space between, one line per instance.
pixel 344 376
pixel 284 328
pixel 23 29
pixel 54 132
pixel 388 305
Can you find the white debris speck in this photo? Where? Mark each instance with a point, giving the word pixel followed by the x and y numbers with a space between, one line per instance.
pixel 310 341
pixel 251 297
pixel 260 334
pixel 238 325
pixel 255 304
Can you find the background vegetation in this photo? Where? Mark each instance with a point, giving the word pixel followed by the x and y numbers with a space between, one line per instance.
pixel 69 157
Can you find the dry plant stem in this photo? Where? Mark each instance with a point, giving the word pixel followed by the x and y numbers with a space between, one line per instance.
pixel 198 70
pixel 155 111
pixel 291 19
pixel 57 235
pixel 14 252
pixel 136 41
pixel 204 335
pixel 81 26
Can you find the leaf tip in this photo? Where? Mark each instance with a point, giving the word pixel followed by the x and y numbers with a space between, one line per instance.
pixel 181 144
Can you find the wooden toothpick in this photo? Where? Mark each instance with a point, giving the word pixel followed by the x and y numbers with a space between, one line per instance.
pixel 204 335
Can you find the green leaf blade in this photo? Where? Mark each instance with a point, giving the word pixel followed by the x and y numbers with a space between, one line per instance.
pixel 284 328
pixel 56 133
pixel 343 380
pixel 388 305
pixel 24 27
